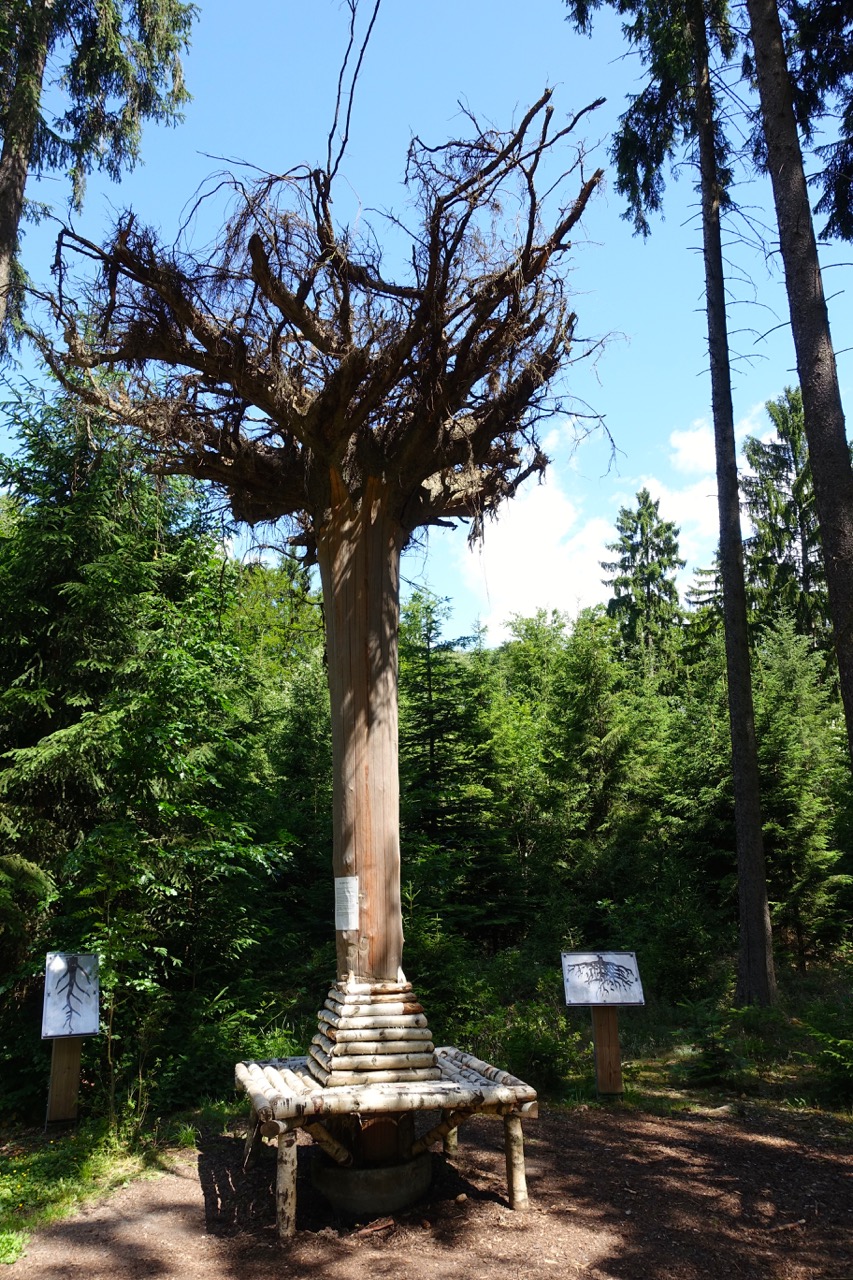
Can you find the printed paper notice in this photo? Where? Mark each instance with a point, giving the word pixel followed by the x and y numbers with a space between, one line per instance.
pixel 346 902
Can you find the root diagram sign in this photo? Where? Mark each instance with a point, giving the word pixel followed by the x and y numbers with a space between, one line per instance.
pixel 70 996
pixel 601 977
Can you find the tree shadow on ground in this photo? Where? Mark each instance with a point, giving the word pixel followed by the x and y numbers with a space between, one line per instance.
pixel 615 1195
pixel 243 1202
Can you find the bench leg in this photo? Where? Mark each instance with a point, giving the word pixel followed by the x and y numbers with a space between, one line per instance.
pixel 253 1142
pixel 285 1185
pixel 450 1141
pixel 516 1180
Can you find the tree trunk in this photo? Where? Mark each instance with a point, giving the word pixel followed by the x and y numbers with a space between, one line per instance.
pixel 756 977
pixel 359 555
pixel 823 414
pixel 20 126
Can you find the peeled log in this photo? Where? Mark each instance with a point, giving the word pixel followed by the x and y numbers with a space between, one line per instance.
pixel 358 550
pixel 515 1175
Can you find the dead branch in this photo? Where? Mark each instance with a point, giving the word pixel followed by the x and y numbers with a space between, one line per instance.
pixel 291 356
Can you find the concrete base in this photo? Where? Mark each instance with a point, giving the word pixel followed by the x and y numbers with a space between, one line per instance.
pixel 362 1192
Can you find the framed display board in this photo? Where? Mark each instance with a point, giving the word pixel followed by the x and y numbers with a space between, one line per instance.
pixel 601 978
pixel 71 996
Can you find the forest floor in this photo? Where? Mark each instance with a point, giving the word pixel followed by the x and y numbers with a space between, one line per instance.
pixel 616 1194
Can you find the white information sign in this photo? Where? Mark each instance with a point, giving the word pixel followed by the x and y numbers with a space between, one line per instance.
pixel 71 994
pixel 601 977
pixel 346 902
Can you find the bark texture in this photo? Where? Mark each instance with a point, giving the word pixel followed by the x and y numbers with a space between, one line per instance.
pixel 822 407
pixel 359 555
pixel 756 975
pixel 20 124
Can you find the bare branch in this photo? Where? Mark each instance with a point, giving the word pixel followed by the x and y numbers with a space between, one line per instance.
pixel 288 366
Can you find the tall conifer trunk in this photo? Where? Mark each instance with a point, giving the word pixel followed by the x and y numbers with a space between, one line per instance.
pixel 21 118
pixel 359 554
pixel 823 413
pixel 756 976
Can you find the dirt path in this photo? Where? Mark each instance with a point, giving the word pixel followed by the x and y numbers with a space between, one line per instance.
pixel 615 1195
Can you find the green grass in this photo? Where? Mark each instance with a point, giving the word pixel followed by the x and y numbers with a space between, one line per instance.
pixel 46 1176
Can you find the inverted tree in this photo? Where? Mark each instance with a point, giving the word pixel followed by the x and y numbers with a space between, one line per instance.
pixel 287 369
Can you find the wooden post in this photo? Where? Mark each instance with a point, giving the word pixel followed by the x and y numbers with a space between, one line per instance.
pixel 285 1185
pixel 64 1090
pixel 608 1059
pixel 516 1180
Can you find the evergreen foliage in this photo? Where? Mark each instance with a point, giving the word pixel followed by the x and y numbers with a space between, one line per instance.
pixel 105 67
pixel 645 596
pixel 784 555
pixel 165 794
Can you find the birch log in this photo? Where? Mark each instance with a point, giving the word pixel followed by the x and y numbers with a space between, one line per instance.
pixel 253 1142
pixel 400 1076
pixel 285 1185
pixel 262 1104
pixel 372 1097
pixel 324 1042
pixel 365 1010
pixel 515 1176
pixel 354 1035
pixel 383 1020
pixel 482 1068
pixel 370 997
pixel 348 1048
pixel 339 1153
pixel 449 1124
pixel 368 988
pixel 382 1062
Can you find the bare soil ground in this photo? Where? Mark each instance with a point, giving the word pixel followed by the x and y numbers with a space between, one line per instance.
pixel 615 1195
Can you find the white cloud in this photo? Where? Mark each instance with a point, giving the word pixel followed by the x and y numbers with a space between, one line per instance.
pixel 693 449
pixel 754 422
pixel 693 509
pixel 538 554
pixel 545 548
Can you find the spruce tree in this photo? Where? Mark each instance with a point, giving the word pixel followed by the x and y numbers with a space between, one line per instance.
pixel 117 64
pixel 645 594
pixel 784 552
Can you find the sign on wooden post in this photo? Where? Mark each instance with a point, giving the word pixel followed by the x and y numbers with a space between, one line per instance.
pixel 71 993
pixel 603 980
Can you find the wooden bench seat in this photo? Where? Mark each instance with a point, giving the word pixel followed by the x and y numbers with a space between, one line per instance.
pixel 285 1096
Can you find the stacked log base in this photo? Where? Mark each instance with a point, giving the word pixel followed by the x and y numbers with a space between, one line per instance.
pixel 285 1095
pixel 372 1033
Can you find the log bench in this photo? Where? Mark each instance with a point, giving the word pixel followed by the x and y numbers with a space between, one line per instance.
pixel 285 1097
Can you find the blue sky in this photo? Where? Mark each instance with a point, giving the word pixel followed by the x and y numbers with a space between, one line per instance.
pixel 263 74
